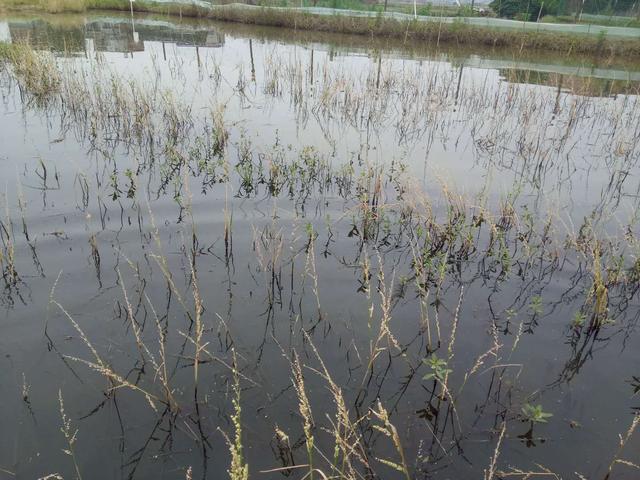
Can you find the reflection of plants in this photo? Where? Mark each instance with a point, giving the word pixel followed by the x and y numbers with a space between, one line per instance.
pixel 131 191
pixel 635 384
pixel 113 182
pixel 425 10
pixel 602 37
pixel 438 368
pixel 535 414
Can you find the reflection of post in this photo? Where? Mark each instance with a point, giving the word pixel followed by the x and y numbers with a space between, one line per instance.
pixel 198 56
pixel 379 70
pixel 610 84
pixel 5 33
pixel 253 68
pixel 164 51
pixel 459 82
pixel 578 16
pixel 133 24
pixel 540 13
pixel 89 47
pixel 556 108
pixel 311 66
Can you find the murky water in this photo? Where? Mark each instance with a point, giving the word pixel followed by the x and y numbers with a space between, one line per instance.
pixel 370 205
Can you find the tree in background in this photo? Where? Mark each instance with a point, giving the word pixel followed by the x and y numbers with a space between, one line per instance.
pixel 534 9
pixel 524 9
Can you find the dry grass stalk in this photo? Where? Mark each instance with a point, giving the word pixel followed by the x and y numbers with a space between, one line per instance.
pixel 70 435
pixel 304 407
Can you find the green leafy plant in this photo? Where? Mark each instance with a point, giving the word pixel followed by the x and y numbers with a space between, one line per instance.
pixel 578 320
pixel 425 10
pixel 535 413
pixel 438 368
pixel 536 305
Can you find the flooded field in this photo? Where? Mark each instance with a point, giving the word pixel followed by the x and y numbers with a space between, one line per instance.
pixel 234 252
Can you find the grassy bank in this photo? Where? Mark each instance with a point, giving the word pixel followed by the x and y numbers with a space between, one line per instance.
pixel 632 22
pixel 412 31
pixel 58 6
pixel 409 30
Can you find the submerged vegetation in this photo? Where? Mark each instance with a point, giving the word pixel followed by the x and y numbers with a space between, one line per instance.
pixel 428 371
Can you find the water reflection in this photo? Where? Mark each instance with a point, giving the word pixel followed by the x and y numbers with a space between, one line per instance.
pixel 107 35
pixel 592 83
pixel 118 34
pixel 162 252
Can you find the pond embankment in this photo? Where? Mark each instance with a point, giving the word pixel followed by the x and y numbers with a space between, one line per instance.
pixel 600 41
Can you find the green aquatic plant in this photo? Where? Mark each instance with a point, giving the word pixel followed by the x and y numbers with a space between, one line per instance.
pixel 535 306
pixel 578 319
pixel 438 367
pixel 534 413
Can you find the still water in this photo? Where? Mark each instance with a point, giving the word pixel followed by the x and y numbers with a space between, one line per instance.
pixel 208 194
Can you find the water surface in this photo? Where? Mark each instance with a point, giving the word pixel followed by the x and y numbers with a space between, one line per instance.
pixel 468 197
